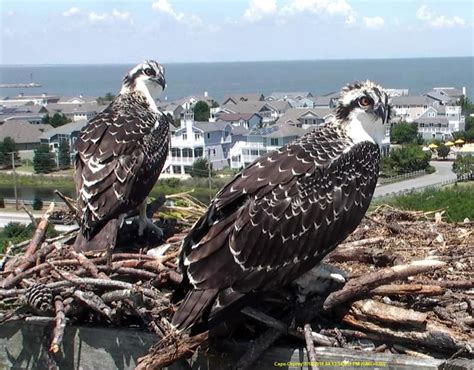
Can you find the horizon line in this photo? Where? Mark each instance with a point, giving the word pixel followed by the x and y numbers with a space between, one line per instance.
pixel 235 61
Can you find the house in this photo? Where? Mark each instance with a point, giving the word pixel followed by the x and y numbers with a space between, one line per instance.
pixel 434 128
pixel 269 111
pixel 410 107
pixel 194 140
pixel 446 95
pixel 22 99
pixel 396 92
pixel 174 110
pixel 288 96
pixel 28 113
pixel 80 99
pixel 260 141
pixel 326 101
pixel 190 101
pixel 308 117
pixel 242 98
pixel 68 132
pixel 26 136
pixel 246 120
pixel 75 112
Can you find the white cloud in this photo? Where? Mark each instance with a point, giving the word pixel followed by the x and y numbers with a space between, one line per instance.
pixel 164 6
pixel 118 15
pixel 374 22
pixel 97 18
pixel 70 12
pixel 11 13
pixel 438 21
pixel 331 7
pixel 259 8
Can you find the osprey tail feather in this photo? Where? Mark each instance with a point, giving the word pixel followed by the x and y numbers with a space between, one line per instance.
pixel 101 240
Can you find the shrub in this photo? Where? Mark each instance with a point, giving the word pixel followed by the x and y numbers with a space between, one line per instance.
pixel 409 158
pixel 463 165
pixel 37 204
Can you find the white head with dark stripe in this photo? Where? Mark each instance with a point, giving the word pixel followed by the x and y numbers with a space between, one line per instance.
pixel 364 110
pixel 147 77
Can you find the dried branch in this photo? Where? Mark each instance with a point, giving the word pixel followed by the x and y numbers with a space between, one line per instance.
pixel 309 343
pixel 38 236
pixel 58 332
pixel 361 286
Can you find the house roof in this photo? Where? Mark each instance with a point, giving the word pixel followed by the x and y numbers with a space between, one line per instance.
pixel 277 131
pixel 211 126
pixel 241 98
pixel 232 117
pixel 66 129
pixel 23 131
pixel 289 95
pixel 82 98
pixel 206 98
pixel 322 101
pixel 279 105
pixel 239 130
pixel 453 92
pixel 431 120
pixel 74 108
pixel 412 100
pixel 294 114
pixel 247 107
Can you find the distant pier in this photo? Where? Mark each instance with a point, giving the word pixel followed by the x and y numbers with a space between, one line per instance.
pixel 31 84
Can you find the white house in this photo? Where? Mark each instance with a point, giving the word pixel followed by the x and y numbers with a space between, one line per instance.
pixel 306 118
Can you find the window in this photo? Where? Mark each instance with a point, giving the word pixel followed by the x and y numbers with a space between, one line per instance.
pixel 177 169
pixel 197 136
pixel 187 153
pixel 185 136
pixel 175 152
pixel 254 152
pixel 188 169
pixel 274 142
pixel 198 152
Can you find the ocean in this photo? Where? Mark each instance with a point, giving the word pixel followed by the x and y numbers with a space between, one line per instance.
pixel 218 79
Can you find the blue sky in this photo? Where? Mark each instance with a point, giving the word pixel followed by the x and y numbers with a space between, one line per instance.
pixel 65 32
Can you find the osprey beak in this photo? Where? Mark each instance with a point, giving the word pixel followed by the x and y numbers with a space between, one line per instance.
pixel 381 111
pixel 160 80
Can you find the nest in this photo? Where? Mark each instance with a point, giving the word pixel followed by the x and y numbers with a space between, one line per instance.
pixel 408 289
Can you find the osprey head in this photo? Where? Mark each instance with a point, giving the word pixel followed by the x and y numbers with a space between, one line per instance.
pixel 149 76
pixel 364 109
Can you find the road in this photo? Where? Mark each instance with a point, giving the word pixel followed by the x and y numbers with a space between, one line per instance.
pixel 443 173
pixel 22 218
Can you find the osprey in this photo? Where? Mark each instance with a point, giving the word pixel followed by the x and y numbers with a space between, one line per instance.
pixel 282 214
pixel 120 154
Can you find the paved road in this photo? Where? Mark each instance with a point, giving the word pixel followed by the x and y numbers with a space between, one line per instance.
pixel 22 218
pixel 443 173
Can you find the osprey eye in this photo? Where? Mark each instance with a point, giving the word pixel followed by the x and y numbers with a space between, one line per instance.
pixel 149 72
pixel 364 102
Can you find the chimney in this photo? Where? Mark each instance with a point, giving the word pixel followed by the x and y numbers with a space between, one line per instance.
pixel 206 94
pixel 464 92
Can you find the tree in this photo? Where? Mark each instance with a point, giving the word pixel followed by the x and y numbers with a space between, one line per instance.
pixel 43 161
pixel 443 151
pixel 8 146
pixel 107 98
pixel 463 165
pixel 404 133
pixel 200 168
pixel 202 111
pixel 409 158
pixel 56 120
pixel 64 156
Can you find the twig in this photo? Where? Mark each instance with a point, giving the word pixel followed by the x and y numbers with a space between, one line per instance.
pixel 94 301
pixel 360 286
pixel 309 344
pixel 40 232
pixel 58 332
pixel 30 215
pixel 70 204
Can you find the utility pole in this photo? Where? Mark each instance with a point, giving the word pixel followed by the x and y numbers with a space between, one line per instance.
pixel 209 173
pixel 14 180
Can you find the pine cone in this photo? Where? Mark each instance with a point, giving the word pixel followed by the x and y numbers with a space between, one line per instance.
pixel 39 297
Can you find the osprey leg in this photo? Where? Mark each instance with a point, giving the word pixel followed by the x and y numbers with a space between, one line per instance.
pixel 145 222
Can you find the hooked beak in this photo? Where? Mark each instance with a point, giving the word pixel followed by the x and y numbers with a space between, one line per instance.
pixel 160 80
pixel 381 111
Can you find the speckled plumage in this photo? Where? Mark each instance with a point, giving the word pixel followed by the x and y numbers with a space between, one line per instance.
pixel 277 219
pixel 120 154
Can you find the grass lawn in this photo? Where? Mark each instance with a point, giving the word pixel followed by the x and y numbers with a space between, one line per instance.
pixel 457 200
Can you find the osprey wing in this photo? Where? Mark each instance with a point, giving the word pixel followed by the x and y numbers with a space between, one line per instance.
pixel 282 215
pixel 109 160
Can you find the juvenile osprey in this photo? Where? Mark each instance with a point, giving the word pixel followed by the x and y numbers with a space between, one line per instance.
pixel 282 214
pixel 120 154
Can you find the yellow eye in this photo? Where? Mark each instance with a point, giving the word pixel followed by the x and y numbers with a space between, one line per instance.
pixel 364 102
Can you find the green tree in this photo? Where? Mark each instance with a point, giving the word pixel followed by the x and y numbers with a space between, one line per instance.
pixel 8 146
pixel 202 111
pixel 64 156
pixel 463 164
pixel 106 99
pixel 409 158
pixel 43 160
pixel 59 120
pixel 46 120
pixel 404 133
pixel 443 151
pixel 200 168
